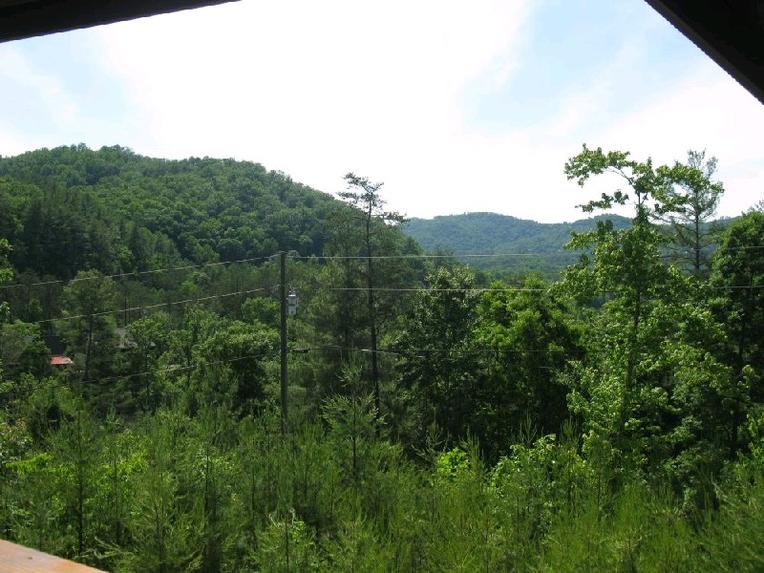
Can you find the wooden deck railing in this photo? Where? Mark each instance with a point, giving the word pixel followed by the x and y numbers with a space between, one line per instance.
pixel 19 559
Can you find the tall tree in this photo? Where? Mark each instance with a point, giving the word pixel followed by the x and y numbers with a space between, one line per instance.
pixel 438 368
pixel 532 335
pixel 738 275
pixel 650 371
pixel 6 273
pixel 76 445
pixel 364 195
pixel 698 196
pixel 627 262
pixel 90 320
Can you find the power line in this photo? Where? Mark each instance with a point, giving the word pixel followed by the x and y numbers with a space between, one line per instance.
pixel 541 254
pixel 172 368
pixel 502 289
pixel 136 273
pixel 425 289
pixel 423 352
pixel 341 289
pixel 741 248
pixel 426 256
pixel 150 306
pixel 329 257
pixel 179 368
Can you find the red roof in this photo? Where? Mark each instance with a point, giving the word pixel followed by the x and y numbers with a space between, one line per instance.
pixel 60 360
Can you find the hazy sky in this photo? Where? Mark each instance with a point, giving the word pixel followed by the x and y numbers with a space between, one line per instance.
pixel 456 106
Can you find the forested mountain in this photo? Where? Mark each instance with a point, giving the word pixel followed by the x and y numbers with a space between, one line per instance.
pixel 409 415
pixel 494 233
pixel 491 233
pixel 71 208
pixel 529 246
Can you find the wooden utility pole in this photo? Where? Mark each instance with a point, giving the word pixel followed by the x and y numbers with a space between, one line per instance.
pixel 283 305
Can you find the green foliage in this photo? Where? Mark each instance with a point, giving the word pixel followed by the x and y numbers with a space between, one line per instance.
pixel 262 310
pixel 651 387
pixel 452 465
pixel 738 275
pixel 22 350
pixel 6 274
pixel 533 335
pixel 213 493
pixel 608 422
pixel 692 234
pixel 72 208
pixel 438 367
pixel 287 545
pixel 89 327
pixel 352 426
pixel 489 233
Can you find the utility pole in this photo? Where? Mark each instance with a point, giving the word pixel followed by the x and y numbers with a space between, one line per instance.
pixel 283 305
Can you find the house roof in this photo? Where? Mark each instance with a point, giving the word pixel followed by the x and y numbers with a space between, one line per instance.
pixel 60 360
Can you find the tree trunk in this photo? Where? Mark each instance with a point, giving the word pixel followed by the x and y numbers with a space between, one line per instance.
pixel 372 315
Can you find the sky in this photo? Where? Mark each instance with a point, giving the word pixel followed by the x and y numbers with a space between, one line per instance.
pixel 456 106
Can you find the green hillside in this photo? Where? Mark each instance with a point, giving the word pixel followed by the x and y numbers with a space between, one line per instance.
pixel 491 233
pixel 72 208
pixel 167 405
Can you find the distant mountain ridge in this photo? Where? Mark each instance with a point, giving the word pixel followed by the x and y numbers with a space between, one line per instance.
pixel 540 244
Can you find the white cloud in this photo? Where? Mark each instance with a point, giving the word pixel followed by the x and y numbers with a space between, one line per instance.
pixel 705 110
pixel 51 99
pixel 32 93
pixel 11 143
pixel 317 89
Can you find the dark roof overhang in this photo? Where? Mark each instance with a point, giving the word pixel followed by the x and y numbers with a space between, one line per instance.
pixel 731 32
pixel 25 18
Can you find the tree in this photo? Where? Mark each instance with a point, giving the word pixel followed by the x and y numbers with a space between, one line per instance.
pixel 89 301
pixel 6 274
pixel 352 422
pixel 77 447
pixel 22 349
pixel 161 533
pixel 238 352
pixel 649 375
pixel 699 198
pixel 341 316
pixel 738 277
pixel 532 335
pixel 364 195
pixel 438 367
pixel 627 263
pixel 148 341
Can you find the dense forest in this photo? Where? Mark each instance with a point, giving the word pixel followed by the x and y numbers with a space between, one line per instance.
pixel 610 419
pixel 508 248
pixel 485 237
